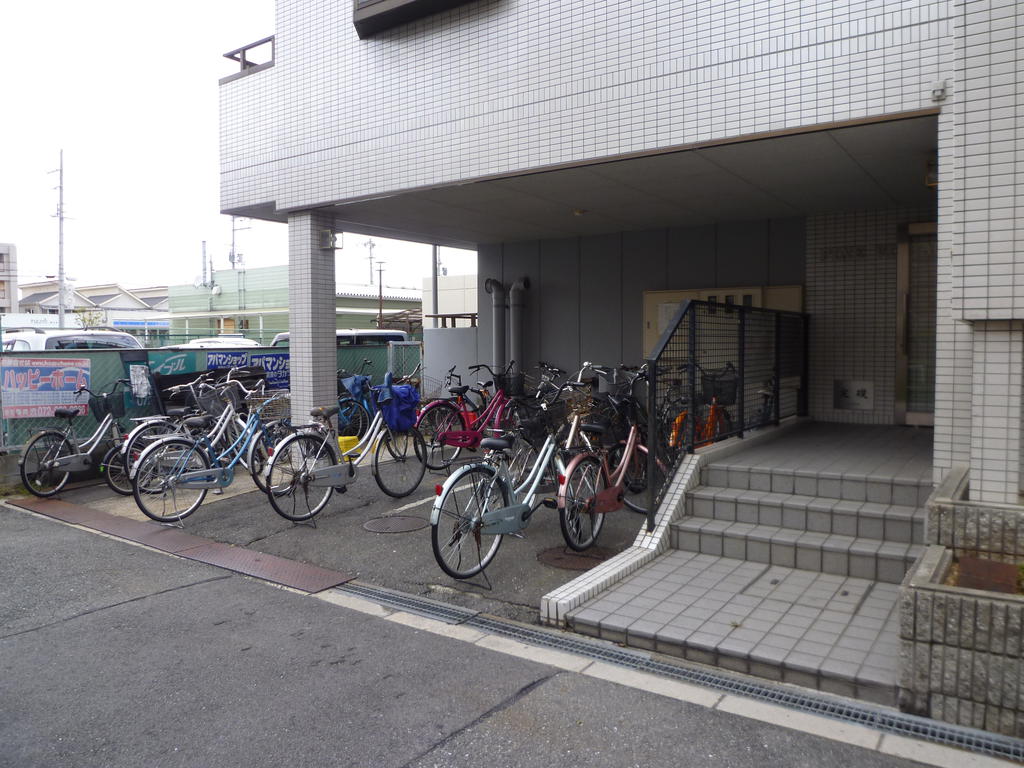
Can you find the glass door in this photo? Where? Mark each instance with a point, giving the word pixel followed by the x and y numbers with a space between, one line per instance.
pixel 915 326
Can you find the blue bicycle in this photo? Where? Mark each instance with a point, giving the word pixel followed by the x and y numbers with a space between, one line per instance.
pixel 173 474
pixel 355 403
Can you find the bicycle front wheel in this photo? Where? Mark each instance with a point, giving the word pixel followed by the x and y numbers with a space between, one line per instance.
pixel 580 524
pixel 436 418
pixel 154 483
pixel 141 438
pixel 353 418
pixel 460 546
pixel 37 474
pixel 289 485
pixel 399 462
pixel 113 471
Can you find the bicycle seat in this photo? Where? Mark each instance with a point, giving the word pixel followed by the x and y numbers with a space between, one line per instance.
pixel 179 411
pixel 198 422
pixel 323 411
pixel 65 413
pixel 459 390
pixel 497 443
pixel 593 429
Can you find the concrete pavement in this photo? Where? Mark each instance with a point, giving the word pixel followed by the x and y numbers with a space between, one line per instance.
pixel 116 655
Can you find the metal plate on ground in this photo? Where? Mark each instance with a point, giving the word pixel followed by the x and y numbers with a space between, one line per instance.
pixel 568 560
pixel 395 524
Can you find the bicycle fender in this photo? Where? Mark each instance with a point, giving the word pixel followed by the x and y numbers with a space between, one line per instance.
pixel 456 476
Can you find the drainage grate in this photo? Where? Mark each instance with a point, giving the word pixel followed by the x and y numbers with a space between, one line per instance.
pixel 860 713
pixel 433 609
pixel 395 524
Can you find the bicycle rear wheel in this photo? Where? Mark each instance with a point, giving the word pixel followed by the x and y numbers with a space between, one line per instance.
pixel 399 462
pixel 438 417
pixel 113 471
pixel 460 546
pixel 288 476
pixel 580 524
pixel 154 483
pixel 38 477
pixel 353 418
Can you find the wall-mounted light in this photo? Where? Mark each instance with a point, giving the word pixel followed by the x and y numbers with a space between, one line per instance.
pixel 578 211
pixel 331 240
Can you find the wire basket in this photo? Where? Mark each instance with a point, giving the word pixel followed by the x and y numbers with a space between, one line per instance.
pixel 720 385
pixel 512 384
pixel 112 403
pixel 273 406
pixel 431 389
pixel 212 402
pixel 536 428
pixel 580 401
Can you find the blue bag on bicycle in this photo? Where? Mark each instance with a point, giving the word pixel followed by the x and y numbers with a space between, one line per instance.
pixel 398 402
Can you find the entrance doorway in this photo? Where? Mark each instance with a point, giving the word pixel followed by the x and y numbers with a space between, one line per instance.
pixel 916 277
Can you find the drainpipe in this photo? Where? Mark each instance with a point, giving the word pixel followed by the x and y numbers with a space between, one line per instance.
pixel 516 305
pixel 497 291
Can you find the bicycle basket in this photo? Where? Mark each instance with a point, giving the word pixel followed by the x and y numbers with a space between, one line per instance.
pixel 511 384
pixel 271 407
pixel 211 402
pixel 112 403
pixel 719 384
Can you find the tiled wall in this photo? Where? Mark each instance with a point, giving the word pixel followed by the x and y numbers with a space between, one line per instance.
pixel 851 297
pixel 498 86
pixel 988 275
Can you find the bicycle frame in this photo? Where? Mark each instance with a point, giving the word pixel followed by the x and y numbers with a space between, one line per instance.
pixel 611 498
pixel 344 472
pixel 80 460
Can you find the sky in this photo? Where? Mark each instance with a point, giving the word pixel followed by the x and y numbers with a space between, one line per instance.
pixel 128 91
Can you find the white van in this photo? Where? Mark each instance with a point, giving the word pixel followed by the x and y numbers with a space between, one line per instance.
pixel 33 339
pixel 348 337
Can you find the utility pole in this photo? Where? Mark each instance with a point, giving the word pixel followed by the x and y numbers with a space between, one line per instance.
pixel 60 243
pixel 370 245
pixel 380 294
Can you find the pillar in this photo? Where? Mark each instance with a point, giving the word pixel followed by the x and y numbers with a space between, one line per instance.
pixel 311 315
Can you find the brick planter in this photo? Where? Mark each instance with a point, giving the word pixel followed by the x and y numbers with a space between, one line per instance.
pixel 961 650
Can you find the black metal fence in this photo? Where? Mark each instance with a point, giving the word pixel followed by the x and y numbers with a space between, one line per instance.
pixel 718 371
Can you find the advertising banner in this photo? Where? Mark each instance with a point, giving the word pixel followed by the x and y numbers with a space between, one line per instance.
pixel 276 366
pixel 34 388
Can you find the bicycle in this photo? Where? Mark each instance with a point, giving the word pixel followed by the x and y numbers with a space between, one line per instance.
pixel 596 481
pixel 449 425
pixel 304 470
pixel 479 503
pixel 180 471
pixel 355 406
pixel 718 390
pixel 52 455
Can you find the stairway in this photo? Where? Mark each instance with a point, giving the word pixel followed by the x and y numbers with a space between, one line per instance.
pixel 786 565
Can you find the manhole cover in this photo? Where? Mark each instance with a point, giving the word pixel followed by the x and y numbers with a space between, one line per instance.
pixel 395 524
pixel 566 559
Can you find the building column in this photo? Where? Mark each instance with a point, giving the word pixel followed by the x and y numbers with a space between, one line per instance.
pixel 995 474
pixel 311 315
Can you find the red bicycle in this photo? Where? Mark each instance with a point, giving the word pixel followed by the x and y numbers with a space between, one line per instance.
pixel 449 425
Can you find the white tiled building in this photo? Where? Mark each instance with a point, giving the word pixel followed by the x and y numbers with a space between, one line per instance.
pixel 865 153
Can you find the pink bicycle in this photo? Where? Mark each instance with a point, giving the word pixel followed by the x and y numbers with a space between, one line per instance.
pixel 450 425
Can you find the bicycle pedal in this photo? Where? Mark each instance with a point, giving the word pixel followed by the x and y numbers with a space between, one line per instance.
pixel 550 503
pixel 517 534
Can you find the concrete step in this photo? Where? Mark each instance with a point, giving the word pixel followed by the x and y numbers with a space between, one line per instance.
pixel 862 519
pixel 833 633
pixel 879 487
pixel 832 553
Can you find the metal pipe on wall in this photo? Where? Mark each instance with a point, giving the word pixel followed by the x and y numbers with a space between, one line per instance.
pixel 497 291
pixel 516 307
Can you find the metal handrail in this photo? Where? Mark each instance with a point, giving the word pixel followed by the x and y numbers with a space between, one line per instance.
pixel 735 356
pixel 241 54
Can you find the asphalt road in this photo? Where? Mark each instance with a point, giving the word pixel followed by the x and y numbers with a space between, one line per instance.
pixel 402 561
pixel 116 655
